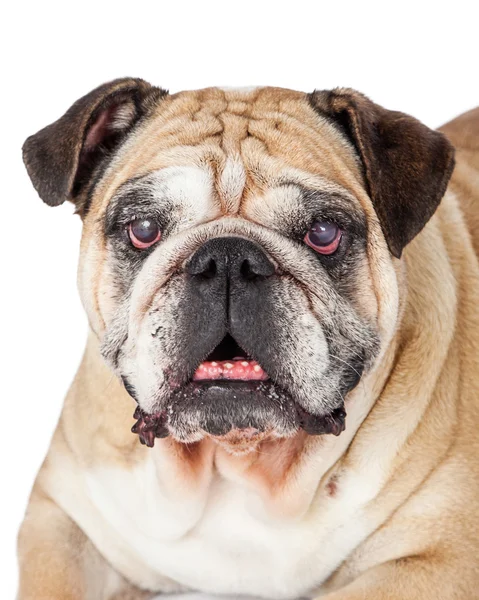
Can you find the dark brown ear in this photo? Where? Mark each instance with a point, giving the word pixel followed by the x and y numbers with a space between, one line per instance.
pixel 407 165
pixel 61 158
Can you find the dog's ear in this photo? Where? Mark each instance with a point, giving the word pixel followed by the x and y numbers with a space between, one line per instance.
pixel 61 158
pixel 407 166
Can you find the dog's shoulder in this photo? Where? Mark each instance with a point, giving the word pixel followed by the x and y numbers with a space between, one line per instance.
pixel 463 131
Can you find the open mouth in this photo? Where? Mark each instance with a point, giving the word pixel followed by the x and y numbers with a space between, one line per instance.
pixel 230 393
pixel 229 361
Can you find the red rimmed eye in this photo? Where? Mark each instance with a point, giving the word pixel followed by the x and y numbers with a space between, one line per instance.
pixel 143 233
pixel 324 237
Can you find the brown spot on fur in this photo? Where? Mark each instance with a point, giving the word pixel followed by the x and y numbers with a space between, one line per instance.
pixel 332 486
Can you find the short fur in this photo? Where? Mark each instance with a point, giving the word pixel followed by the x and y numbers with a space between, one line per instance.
pixel 389 510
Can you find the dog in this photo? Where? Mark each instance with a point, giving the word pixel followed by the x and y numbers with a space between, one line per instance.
pixel 279 393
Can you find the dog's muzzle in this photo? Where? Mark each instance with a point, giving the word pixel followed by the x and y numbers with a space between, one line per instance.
pixel 228 380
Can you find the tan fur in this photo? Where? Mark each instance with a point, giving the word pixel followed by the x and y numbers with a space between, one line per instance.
pixel 422 426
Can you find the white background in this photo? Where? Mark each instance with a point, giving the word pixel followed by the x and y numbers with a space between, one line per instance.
pixel 418 57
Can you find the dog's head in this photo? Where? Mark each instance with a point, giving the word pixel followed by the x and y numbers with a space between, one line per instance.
pixel 239 247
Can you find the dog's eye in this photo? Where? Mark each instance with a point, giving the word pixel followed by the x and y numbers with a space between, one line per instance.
pixel 143 233
pixel 324 237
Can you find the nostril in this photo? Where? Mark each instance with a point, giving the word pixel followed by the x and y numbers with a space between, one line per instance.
pixel 210 270
pixel 246 270
pixel 252 268
pixel 202 266
pixel 230 258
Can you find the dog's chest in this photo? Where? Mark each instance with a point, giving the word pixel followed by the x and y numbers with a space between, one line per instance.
pixel 221 540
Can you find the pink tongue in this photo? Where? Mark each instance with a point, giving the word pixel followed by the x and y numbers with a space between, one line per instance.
pixel 245 370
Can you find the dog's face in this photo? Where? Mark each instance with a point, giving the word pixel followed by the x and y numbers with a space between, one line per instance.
pixel 237 256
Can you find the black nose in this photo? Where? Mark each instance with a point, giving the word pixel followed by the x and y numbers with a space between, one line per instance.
pixel 231 258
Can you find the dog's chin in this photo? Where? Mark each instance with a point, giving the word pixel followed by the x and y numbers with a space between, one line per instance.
pixel 236 414
pixel 243 441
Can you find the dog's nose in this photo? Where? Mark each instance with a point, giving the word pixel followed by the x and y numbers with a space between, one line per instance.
pixel 232 258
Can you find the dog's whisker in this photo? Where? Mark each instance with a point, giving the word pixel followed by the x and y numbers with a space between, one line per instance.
pixel 352 368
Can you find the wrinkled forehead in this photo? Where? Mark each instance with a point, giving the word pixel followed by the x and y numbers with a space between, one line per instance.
pixel 234 146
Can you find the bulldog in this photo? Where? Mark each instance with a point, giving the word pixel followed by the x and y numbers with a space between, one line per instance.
pixel 282 288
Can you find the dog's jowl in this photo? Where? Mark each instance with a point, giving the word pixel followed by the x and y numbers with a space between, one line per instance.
pixel 279 394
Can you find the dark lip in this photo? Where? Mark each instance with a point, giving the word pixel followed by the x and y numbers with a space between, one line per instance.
pixel 206 394
pixel 218 406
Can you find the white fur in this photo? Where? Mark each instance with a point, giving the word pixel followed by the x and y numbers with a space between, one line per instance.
pixel 220 537
pixel 190 189
pixel 242 90
pixel 123 117
pixel 230 545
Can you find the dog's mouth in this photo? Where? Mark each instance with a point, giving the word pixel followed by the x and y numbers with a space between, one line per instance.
pixel 231 398
pixel 229 361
